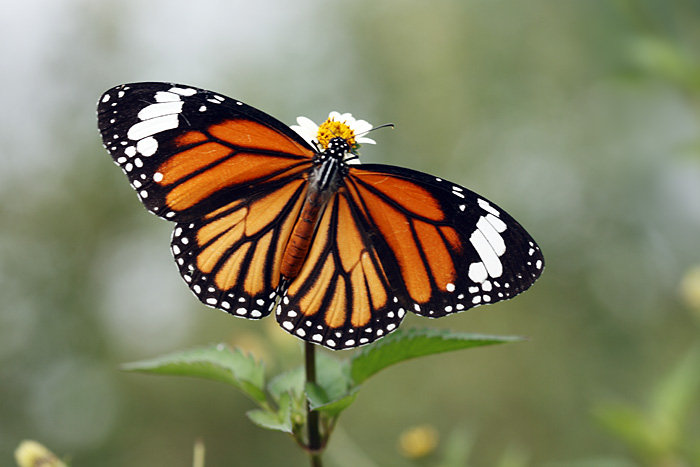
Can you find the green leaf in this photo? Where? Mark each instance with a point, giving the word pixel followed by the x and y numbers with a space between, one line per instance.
pixel 404 345
pixel 332 392
pixel 270 420
pixel 332 376
pixel 218 363
pixel 319 400
pixel 289 382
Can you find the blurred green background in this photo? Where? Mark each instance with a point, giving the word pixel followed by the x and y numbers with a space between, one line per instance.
pixel 581 118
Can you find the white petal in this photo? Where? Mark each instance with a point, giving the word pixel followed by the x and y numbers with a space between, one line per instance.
pixel 335 116
pixel 365 141
pixel 361 126
pixel 306 122
pixel 307 129
pixel 301 131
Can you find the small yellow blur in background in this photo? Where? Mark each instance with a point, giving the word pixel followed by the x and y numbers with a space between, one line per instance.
pixel 32 454
pixel 418 441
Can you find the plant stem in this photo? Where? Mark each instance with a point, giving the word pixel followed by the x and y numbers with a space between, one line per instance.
pixel 312 416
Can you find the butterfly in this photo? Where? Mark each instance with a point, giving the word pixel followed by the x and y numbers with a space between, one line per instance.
pixel 272 219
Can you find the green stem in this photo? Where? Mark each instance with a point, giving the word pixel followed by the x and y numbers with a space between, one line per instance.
pixel 312 416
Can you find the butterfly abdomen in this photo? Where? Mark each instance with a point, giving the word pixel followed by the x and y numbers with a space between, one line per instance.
pixel 300 239
pixel 323 183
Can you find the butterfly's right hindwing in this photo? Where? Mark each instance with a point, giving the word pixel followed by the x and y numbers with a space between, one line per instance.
pixel 231 258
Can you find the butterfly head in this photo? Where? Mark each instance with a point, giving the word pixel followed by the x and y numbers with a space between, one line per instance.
pixel 338 147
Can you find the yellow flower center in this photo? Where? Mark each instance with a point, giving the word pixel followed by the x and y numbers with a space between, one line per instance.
pixel 331 129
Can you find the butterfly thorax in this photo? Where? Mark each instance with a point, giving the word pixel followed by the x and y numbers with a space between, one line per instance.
pixel 329 167
pixel 324 180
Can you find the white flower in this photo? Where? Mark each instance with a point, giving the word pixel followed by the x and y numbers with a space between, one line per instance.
pixel 337 125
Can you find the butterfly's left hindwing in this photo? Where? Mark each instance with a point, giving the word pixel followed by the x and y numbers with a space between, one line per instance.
pixel 187 151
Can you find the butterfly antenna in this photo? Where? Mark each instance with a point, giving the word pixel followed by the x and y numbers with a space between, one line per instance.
pixel 386 125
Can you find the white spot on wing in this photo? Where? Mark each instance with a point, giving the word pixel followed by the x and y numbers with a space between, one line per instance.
pixel 487 254
pixel 492 235
pixel 147 146
pixel 163 96
pixel 152 126
pixel 183 91
pixel 477 272
pixel 497 223
pixel 160 110
pixel 487 207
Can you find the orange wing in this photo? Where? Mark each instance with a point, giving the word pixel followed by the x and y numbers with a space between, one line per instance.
pixel 188 152
pixel 215 164
pixel 394 240
pixel 451 248
pixel 233 177
pixel 231 258
pixel 342 296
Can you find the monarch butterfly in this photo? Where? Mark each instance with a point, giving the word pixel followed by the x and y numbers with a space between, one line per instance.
pixel 267 219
